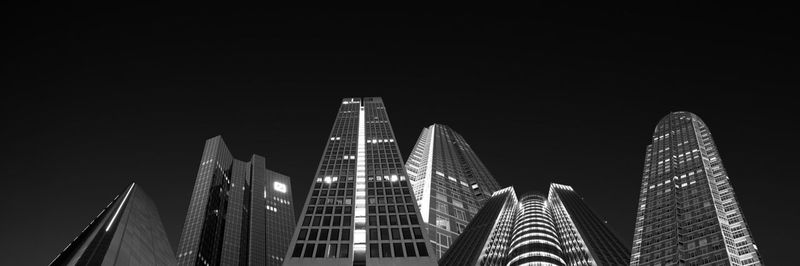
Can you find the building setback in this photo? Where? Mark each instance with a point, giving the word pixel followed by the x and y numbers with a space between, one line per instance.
pixel 537 229
pixel 450 183
pixel 687 212
pixel 127 232
pixel 360 209
pixel 240 212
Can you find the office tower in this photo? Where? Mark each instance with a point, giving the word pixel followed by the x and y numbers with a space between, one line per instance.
pixel 486 239
pixel 557 229
pixel 360 209
pixel 127 232
pixel 240 213
pixel 687 212
pixel 586 239
pixel 449 181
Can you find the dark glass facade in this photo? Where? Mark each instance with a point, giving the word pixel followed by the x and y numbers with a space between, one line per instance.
pixel 450 183
pixel 240 213
pixel 360 209
pixel 687 212
pixel 585 238
pixel 127 232
pixel 557 229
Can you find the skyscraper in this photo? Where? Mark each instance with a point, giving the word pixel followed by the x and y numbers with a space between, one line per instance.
pixel 586 239
pixel 449 181
pixel 687 212
pixel 486 239
pixel 128 231
pixel 240 213
pixel 557 229
pixel 360 209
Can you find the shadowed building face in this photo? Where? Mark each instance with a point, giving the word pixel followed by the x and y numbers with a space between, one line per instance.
pixel 127 232
pixel 240 213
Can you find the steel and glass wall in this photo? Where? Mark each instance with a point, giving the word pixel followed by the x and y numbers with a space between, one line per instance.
pixel 687 212
pixel 586 239
pixel 127 232
pixel 232 204
pixel 557 229
pixel 360 209
pixel 486 239
pixel 450 183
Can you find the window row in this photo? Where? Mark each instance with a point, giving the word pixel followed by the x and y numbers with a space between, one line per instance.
pixel 395 233
pixel 392 209
pixel 393 220
pixel 324 234
pixel 322 250
pixel 327 220
pixel 385 250
pixel 332 192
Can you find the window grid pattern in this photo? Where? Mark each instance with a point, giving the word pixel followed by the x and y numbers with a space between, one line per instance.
pixel 392 227
pixel 227 218
pixel 687 212
pixel 557 229
pixel 450 183
pixel 485 241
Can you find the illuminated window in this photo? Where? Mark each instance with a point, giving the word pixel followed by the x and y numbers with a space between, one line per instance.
pixel 280 187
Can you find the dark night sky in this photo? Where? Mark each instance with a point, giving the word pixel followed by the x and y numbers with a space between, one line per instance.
pixel 97 97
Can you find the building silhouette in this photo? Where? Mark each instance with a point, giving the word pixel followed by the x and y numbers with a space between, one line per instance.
pixel 360 209
pixel 450 183
pixel 128 231
pixel 240 212
pixel 687 212
pixel 556 228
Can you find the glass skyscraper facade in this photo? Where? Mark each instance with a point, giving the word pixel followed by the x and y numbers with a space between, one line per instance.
pixel 556 228
pixel 687 212
pixel 128 231
pixel 450 183
pixel 586 239
pixel 240 212
pixel 360 209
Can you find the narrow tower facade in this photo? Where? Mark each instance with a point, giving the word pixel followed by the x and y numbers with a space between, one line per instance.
pixel 450 183
pixel 687 212
pixel 360 209
pixel 240 212
pixel 127 232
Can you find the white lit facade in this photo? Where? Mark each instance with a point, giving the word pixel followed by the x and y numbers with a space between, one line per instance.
pixel 687 212
pixel 556 229
pixel 450 183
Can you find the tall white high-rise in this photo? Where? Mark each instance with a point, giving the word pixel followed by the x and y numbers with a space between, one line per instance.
pixel 687 212
pixel 450 183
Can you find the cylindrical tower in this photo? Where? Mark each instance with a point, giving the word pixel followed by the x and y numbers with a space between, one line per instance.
pixel 534 238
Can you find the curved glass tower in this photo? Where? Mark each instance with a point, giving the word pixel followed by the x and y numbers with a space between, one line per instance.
pixel 687 212
pixel 557 229
pixel 534 241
